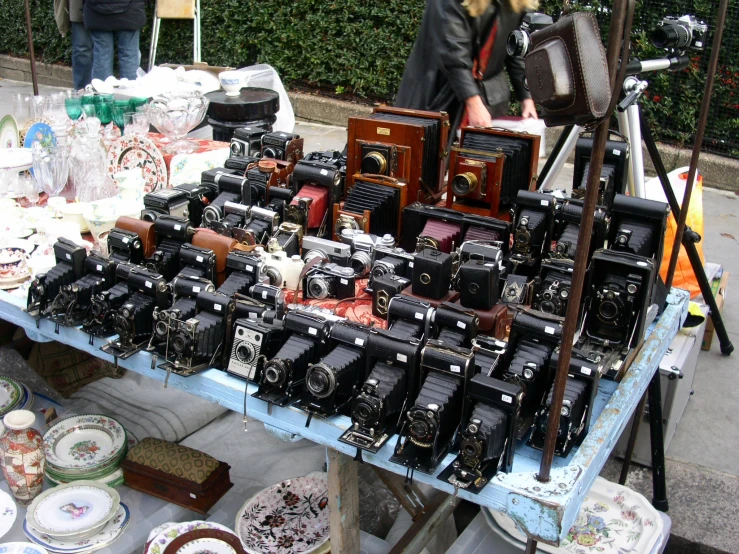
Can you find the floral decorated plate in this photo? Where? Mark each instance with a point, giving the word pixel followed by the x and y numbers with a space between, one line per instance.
pixel 84 442
pixel 289 517
pixel 10 394
pixel 9 132
pixel 109 533
pixel 39 132
pixel 8 513
pixel 129 152
pixel 160 543
pixel 206 540
pixel 612 520
pixel 21 548
pixel 73 510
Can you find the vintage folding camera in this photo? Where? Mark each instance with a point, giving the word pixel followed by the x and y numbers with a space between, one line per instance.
pixel 254 342
pixel 259 227
pixel 125 246
pixel 455 326
pixel 329 280
pixel 73 301
pixel 335 252
pixel 486 443
pixel 133 321
pixel 417 216
pixel 184 292
pixel 574 418
pixel 247 141
pixel 282 146
pixel 533 217
pixel 384 288
pixel 373 205
pixel 231 188
pixel 243 271
pixel 278 201
pixel 638 226
pixel 475 181
pixel 440 235
pixel 391 261
pixel 566 229
pixel 197 262
pixel 406 144
pixel 259 178
pixel 363 248
pixel 98 320
pixel 619 293
pixel 516 290
pixel 70 264
pixel 165 201
pixel 428 430
pixel 287 238
pixel 332 383
pixel 283 375
pixel 478 282
pixel 432 274
pixel 489 352
pixel 383 397
pixel 533 338
pixel 410 317
pixel 172 232
pixel 317 187
pixel 520 152
pixel 196 343
pixel 613 176
pixel 552 289
pixel 199 195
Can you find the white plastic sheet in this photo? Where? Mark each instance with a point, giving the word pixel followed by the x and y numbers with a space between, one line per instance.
pixel 265 76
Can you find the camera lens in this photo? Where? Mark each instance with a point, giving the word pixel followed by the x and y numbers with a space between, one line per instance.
pixel 275 373
pixel 311 254
pixel 547 306
pixel 273 276
pixel 522 237
pixel 608 310
pixel 671 36
pixel 464 183
pixel 245 353
pixel 236 148
pixel 517 43
pixel 321 381
pixel 471 448
pixel 212 214
pixel 318 288
pixel 374 163
pixel 381 269
pixel 363 412
pixel 272 152
pixel 361 263
pixel 149 216
pixel 180 343
pixel 161 329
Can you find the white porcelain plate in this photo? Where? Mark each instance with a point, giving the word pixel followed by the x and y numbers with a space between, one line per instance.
pixel 84 442
pixel 159 543
pixel 21 548
pixel 10 394
pixel 112 530
pixel 73 509
pixel 8 513
pixel 209 546
pixel 16 159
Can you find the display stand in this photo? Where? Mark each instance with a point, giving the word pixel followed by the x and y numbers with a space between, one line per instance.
pixel 545 511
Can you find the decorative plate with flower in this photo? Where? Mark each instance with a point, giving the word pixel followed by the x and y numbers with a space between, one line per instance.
pixel 10 393
pixel 129 152
pixel 159 543
pixel 289 517
pixel 84 442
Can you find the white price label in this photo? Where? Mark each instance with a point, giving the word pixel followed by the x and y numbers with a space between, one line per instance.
pixel 312 331
pixel 324 172
pixel 253 315
pixel 616 152
pixel 196 290
pixel 455 368
pixel 217 307
pixel 401 358
pixel 177 227
pixel 410 264
pixel 359 342
pixel 199 258
pixel 461 325
pixel 250 269
pixel 344 281
pixel 643 264
pixel 125 240
pixel 265 294
pixel 69 256
pixel 507 399
pixel 98 267
pixel 419 315
pixel 283 135
pixel 148 284
pixel 586 370
pixel 549 330
pixel 544 202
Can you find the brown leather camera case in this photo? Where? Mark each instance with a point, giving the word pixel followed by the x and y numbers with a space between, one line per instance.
pixel 144 229
pixel 219 244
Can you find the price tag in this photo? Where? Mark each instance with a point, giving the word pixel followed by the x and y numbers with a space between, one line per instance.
pixel 312 331
pixel 199 258
pixel 359 342
pixel 148 284
pixel 419 315
pixel 455 368
pixel 643 264
pixel 196 290
pixel 125 240
pixel 410 264
pixel 401 358
pixel 217 307
pixel 507 399
pixel 250 269
pixel 98 267
pixel 461 325
pixel 616 152
pixel 324 172
pixel 265 295
pixel 549 330
pixel 253 315
pixel 586 370
pixel 177 227
pixel 544 202
pixel 344 281
pixel 69 256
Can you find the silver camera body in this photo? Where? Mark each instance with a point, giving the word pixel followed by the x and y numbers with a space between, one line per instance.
pixel 335 252
pixel 247 346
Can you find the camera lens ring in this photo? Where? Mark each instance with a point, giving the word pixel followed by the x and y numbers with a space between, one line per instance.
pixel 180 342
pixel 212 214
pixel 361 263
pixel 275 373
pixel 608 309
pixel 245 352
pixel 161 328
pixel 425 278
pixel 464 183
pixel 318 288
pixel 374 163
pixel 548 307
pixel 320 381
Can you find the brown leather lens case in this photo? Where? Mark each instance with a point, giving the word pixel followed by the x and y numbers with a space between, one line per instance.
pixel 219 244
pixel 144 229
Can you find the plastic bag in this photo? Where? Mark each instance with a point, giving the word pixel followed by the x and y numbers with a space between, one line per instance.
pixel 264 76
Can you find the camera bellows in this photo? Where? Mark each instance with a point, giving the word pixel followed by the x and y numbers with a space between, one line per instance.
pixel 381 201
pixel 635 238
pixel 481 234
pixel 318 204
pixel 436 409
pixel 335 374
pixel 529 232
pixel 381 398
pixel 291 361
pixel 441 235
pixel 133 321
pixel 485 436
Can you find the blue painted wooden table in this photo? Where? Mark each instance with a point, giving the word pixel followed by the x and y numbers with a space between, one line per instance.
pixel 545 511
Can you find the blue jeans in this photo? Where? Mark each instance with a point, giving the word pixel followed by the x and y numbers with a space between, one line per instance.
pixel 81 56
pixel 129 55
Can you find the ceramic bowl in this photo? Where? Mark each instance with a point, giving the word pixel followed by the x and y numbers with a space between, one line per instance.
pixel 74 213
pixel 231 82
pixel 41 264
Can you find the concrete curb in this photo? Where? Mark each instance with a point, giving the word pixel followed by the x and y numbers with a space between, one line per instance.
pixel 718 171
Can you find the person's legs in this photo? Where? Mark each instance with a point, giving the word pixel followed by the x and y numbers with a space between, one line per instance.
pixel 102 54
pixel 129 55
pixel 81 56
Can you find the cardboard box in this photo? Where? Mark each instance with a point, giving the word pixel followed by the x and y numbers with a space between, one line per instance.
pixel 202 66
pixel 719 288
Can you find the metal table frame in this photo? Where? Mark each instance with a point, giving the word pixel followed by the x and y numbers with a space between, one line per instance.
pixel 545 511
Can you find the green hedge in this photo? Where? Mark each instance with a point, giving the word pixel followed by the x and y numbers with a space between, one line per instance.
pixel 360 47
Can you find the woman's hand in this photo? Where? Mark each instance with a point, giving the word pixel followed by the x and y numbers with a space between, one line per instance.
pixel 528 109
pixel 478 114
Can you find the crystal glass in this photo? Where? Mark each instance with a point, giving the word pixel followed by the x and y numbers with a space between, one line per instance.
pixel 30 189
pixel 103 106
pixel 37 106
pixel 138 102
pixel 21 108
pixel 87 164
pixel 119 108
pixel 135 123
pixel 174 115
pixel 51 167
pixel 89 110
pixel 74 107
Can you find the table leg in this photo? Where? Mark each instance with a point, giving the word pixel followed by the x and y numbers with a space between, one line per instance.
pixel 343 500
pixel 638 415
pixel 657 438
pixel 426 524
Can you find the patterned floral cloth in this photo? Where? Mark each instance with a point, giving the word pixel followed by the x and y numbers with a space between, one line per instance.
pixel 204 147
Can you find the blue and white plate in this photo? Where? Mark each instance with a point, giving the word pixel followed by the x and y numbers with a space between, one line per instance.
pixel 40 132
pixel 21 548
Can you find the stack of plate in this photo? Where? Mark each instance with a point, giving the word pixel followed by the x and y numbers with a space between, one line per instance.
pixel 85 447
pixel 193 537
pixel 75 518
pixel 14 396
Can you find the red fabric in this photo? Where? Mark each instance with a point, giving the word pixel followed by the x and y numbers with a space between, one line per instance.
pixel 480 65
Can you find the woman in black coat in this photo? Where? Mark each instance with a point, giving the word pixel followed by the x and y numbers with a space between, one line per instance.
pixel 439 73
pixel 116 22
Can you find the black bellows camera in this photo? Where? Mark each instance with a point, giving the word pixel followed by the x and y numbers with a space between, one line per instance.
pixel 426 434
pixel 680 33
pixel 638 226
pixel 172 232
pixel 125 246
pixel 455 326
pixel 71 304
pixel 613 174
pixel 197 262
pixel 486 442
pixel 410 317
pixel 243 271
pixel 98 320
pixel 45 287
pixel 566 230
pixel 533 217
pixel 552 290
pixel 519 40
pixel 331 383
pixel 383 396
